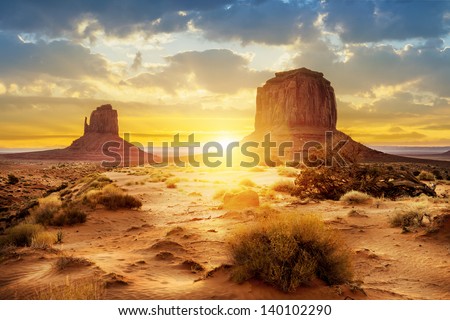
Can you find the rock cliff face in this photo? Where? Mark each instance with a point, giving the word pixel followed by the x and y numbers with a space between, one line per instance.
pixel 294 100
pixel 299 106
pixel 103 120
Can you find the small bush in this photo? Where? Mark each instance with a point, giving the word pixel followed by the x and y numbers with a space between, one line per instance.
pixel 437 174
pixel 426 176
pixel 159 176
pixel 355 197
pixel 22 234
pixel 114 198
pixel 287 172
pixel 410 217
pixel 65 262
pixel 70 216
pixel 91 198
pixel 247 183
pixel 12 179
pixel 289 252
pixel 171 183
pixel 43 240
pixel 286 186
pixel 45 212
pixel 406 219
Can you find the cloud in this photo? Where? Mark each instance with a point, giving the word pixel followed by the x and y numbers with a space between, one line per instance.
pixel 376 20
pixel 21 61
pixel 368 66
pixel 116 17
pixel 137 62
pixel 260 21
pixel 397 112
pixel 442 127
pixel 390 137
pixel 269 22
pixel 216 70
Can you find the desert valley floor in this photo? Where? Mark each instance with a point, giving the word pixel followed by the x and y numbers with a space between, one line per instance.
pixel 176 245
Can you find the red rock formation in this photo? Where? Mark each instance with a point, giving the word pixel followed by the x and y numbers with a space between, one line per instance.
pixel 299 106
pixel 100 142
pixel 296 99
pixel 103 120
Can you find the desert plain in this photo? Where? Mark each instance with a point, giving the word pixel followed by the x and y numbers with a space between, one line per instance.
pixel 176 245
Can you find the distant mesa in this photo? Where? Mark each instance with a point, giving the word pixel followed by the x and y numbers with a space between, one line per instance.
pixel 300 106
pixel 103 128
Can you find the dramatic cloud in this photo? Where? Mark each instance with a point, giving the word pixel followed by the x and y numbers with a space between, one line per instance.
pixel 21 61
pixel 375 20
pixel 115 16
pixel 270 22
pixel 161 61
pixel 215 70
pixel 366 67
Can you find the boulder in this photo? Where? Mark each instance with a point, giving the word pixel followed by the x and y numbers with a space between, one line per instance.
pixel 240 200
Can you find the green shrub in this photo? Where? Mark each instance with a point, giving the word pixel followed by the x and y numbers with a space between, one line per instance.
pixel 22 234
pixel 355 197
pixel 288 252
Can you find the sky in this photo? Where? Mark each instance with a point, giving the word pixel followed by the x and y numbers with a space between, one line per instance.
pixel 192 66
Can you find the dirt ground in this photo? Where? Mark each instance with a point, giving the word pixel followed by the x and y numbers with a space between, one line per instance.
pixel 155 252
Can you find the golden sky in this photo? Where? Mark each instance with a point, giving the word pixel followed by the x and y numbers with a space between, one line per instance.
pixel 193 66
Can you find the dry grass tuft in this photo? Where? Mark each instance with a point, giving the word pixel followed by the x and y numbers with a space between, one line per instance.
pixel 247 183
pixel 114 198
pixel 356 197
pixel 70 216
pixel 290 251
pixel 410 217
pixel 43 240
pixel 426 176
pixel 45 212
pixel 83 289
pixel 285 186
pixel 65 262
pixel 22 234
pixel 288 172
pixel 171 183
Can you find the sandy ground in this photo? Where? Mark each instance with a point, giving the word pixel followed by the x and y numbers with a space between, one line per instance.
pixel 142 254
